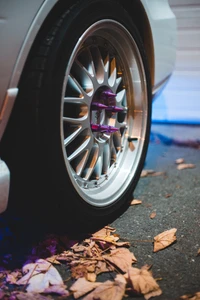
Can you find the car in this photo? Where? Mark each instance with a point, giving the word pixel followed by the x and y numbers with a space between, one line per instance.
pixel 77 79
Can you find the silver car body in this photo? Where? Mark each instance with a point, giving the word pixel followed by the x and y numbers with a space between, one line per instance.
pixel 20 22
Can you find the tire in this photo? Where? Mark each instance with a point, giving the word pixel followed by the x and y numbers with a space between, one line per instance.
pixel 85 111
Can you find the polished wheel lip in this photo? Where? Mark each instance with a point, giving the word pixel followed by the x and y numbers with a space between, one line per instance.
pixel 109 187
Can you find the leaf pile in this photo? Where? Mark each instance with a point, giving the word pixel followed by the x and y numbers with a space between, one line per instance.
pixel 101 252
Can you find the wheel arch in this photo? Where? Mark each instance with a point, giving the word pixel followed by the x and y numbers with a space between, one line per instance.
pixel 139 17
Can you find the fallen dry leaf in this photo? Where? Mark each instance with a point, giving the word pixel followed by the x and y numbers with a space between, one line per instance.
pixel 153 215
pixel 82 287
pixel 89 268
pixel 109 290
pixel 109 239
pixel 145 173
pixel 195 296
pixel 168 195
pixel 185 166
pixel 179 160
pixel 164 239
pixel 39 276
pixel 135 202
pixel 53 260
pixel 29 296
pixel 110 243
pixel 13 277
pixel 142 282
pixel 198 252
pixel 106 236
pixel 106 231
pixel 102 267
pixel 91 276
pixel 122 244
pixel 78 248
pixel 122 258
pixel 65 256
pixel 158 173
pixel 57 289
pixel 78 271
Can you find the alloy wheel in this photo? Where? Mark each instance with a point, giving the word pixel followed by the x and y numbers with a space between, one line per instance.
pixel 104 113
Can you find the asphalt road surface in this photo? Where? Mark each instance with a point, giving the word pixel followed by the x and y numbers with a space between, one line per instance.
pixel 175 198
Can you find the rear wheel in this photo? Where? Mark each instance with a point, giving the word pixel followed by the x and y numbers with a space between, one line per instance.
pixel 87 90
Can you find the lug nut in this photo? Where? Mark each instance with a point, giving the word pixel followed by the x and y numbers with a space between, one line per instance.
pixel 98 106
pixel 108 94
pixel 103 128
pixel 114 109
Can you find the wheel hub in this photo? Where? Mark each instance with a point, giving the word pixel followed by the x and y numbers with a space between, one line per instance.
pixel 102 112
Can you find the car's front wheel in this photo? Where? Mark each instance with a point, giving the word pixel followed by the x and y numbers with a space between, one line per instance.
pixel 88 88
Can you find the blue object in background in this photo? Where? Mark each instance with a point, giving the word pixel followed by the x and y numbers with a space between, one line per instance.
pixel 179 102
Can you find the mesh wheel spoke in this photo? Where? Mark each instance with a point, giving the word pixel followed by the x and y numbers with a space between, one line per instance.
pixel 85 58
pixel 113 72
pixel 106 158
pixel 91 162
pixel 82 148
pixel 72 136
pixel 98 64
